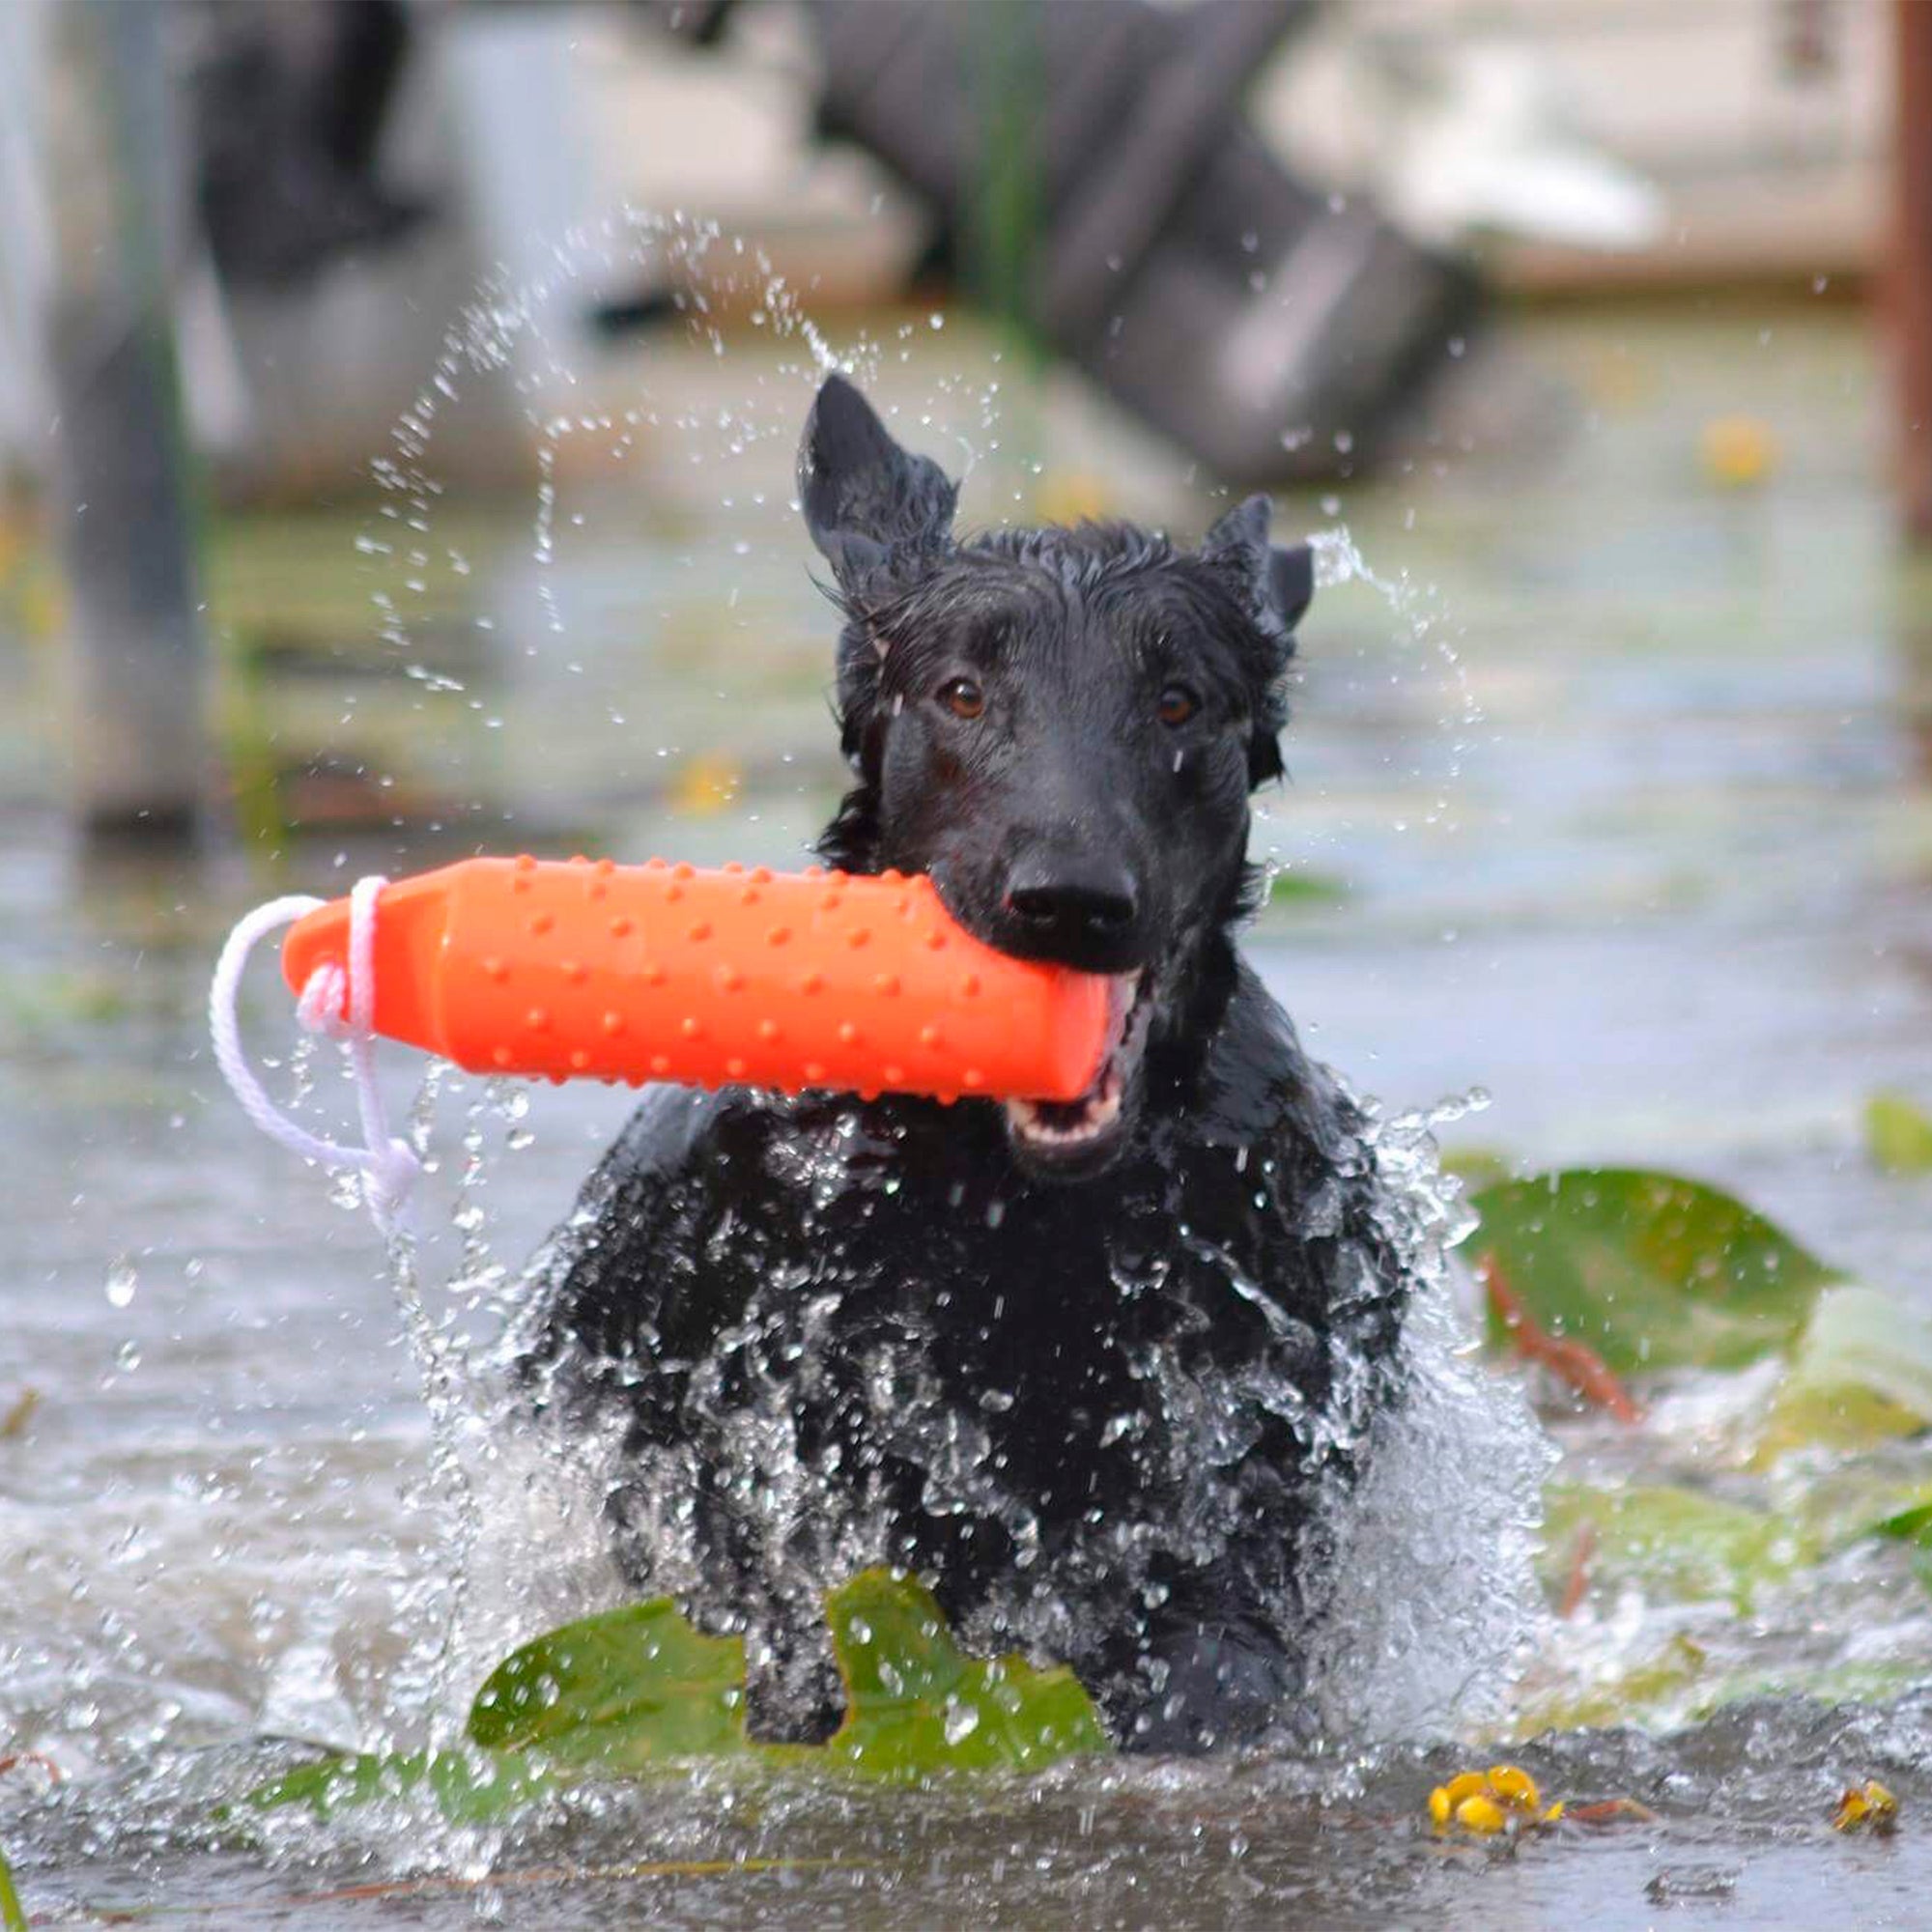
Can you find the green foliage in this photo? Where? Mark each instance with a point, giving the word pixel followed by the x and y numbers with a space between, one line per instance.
pixel 1652 1688
pixel 1300 887
pixel 634 1690
pixel 617 1691
pixel 1677 1546
pixel 1898 1134
pixel 1681 1682
pixel 1912 1528
pixel 465 1789
pixel 1861 1375
pixel 1650 1271
pixel 12 1918
pixel 1476 1167
pixel 915 1703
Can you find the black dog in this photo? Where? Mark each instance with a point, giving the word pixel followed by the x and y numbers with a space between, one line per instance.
pixel 1092 1370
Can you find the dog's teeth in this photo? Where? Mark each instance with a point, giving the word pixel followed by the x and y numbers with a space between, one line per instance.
pixel 1100 1108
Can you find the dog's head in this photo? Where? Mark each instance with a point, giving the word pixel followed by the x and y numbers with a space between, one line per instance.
pixel 1061 727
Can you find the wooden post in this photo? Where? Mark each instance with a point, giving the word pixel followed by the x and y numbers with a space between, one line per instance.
pixel 122 495
pixel 1910 277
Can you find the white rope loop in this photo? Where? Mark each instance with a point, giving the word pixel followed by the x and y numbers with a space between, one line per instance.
pixel 343 1006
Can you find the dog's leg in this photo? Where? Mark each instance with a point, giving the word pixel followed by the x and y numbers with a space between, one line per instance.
pixel 1212 1683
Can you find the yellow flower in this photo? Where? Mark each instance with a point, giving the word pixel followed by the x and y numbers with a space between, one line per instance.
pixel 1504 1798
pixel 1737 451
pixel 705 784
pixel 1867 1808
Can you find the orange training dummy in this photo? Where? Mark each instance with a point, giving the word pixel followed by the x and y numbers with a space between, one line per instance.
pixel 658 972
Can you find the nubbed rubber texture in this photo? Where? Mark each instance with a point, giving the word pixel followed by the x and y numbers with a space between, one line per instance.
pixel 582 969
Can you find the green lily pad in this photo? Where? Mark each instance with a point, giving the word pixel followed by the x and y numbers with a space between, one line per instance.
pixel 628 1688
pixel 1675 1545
pixel 1299 888
pixel 1898 1134
pixel 1679 1685
pixel 1651 1692
pixel 1912 1526
pixel 1846 1502
pixel 1877 1682
pixel 467 1790
pixel 632 1690
pixel 1862 1376
pixel 915 1703
pixel 12 1918
pixel 1477 1167
pixel 1649 1270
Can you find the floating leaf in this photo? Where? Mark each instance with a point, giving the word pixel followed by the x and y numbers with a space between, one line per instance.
pixel 1850 1501
pixel 630 1690
pixel 1652 1690
pixel 1675 1545
pixel 1862 1376
pixel 1679 1685
pixel 1912 1525
pixel 1476 1166
pixel 917 1704
pixel 1912 1528
pixel 1304 889
pixel 1898 1134
pixel 1648 1269
pixel 12 1918
pixel 625 1689
pixel 1841 1416
pixel 1875 1681
pixel 466 1791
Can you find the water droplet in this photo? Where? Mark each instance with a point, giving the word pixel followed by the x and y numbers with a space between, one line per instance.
pixel 122 1282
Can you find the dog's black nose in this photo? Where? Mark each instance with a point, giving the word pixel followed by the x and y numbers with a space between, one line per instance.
pixel 1073 903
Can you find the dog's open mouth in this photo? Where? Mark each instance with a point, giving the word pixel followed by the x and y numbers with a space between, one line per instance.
pixel 1075 1132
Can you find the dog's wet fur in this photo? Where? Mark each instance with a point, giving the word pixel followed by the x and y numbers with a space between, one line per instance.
pixel 1091 1371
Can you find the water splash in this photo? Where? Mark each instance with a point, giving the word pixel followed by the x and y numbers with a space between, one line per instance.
pixel 1420 622
pixel 1436 1604
pixel 506 1533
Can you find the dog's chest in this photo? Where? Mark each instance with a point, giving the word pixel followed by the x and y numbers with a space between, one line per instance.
pixel 1053 1348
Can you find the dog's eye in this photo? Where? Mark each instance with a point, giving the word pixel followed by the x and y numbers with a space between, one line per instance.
pixel 1177 704
pixel 961 697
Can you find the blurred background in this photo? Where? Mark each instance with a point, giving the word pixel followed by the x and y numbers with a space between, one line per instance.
pixel 398 401
pixel 398 405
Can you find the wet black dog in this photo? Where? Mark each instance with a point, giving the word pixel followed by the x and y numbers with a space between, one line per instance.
pixel 1091 1369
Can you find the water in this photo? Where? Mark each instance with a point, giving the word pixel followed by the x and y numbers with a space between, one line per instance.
pixel 1664 896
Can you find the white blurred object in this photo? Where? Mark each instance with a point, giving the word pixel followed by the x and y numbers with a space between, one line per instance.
pixel 1478 144
pixel 1758 163
pixel 215 389
pixel 26 230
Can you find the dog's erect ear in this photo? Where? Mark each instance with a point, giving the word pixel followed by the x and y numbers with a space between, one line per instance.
pixel 1277 578
pixel 862 495
pixel 1277 583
